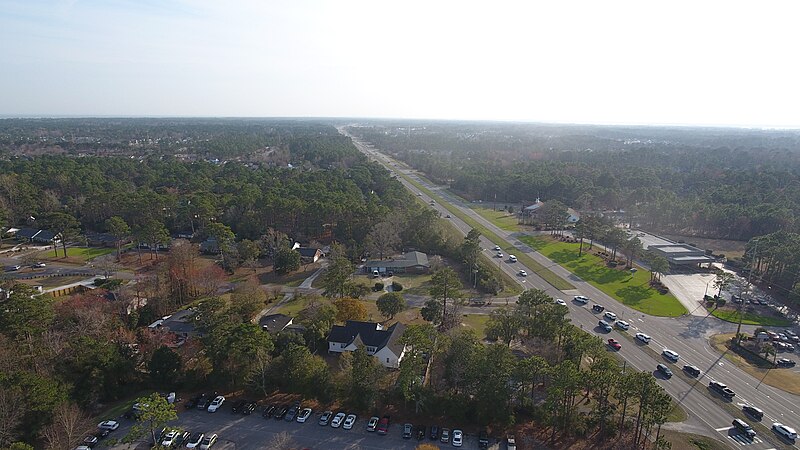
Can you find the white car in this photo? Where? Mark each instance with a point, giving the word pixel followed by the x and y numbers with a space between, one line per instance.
pixel 40 265
pixel 785 431
pixel 672 356
pixel 169 438
pixel 109 425
pixel 581 299
pixel 643 337
pixel 512 258
pixel 304 415
pixel 195 440
pixel 373 423
pixel 561 302
pixel 208 441
pixel 337 420
pixel 497 248
pixel 216 404
pixel 499 254
pixel 522 273
pixel 83 447
pixel 458 438
pixel 349 422
pixel 622 325
pixel 610 316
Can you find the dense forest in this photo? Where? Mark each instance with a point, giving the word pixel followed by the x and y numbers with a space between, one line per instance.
pixel 732 184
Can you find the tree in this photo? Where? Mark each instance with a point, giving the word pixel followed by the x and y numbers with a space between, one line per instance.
pixel 504 324
pixel 317 317
pixel 151 232
pixel 432 311
pixel 658 266
pixel 231 348
pixel 247 300
pixel 154 413
pixel 614 238
pixel 67 428
pixel 632 248
pixel 361 386
pixel 390 304
pixel 286 261
pixel 225 242
pixel 65 226
pixel 26 315
pixel 581 232
pixel 117 227
pixel 164 367
pixel 384 237
pixel 336 279
pixel 554 214
pixel 445 285
pixel 11 414
pixel 249 252
pixel 722 281
pixel 470 251
pixel 350 309
pixel 297 370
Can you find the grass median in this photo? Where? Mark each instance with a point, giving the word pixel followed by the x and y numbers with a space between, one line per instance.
pixel 732 315
pixel 538 269
pixel 632 289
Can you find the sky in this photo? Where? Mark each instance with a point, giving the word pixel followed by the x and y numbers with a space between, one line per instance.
pixel 705 62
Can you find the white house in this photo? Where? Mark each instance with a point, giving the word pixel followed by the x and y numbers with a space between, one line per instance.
pixel 382 343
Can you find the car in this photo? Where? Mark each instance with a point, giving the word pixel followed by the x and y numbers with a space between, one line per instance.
pixel 664 370
pixel 281 413
pixel 581 299
pixel 373 423
pixel 304 415
pixel 789 347
pixel 744 427
pixel 102 434
pixel 522 273
pixel 349 421
pixel 419 194
pixel 182 438
pixel 238 406
pixel 785 431
pixel 785 362
pixel 269 411
pixel 193 401
pixel 90 441
pixel 202 404
pixel 483 439
pixel 249 408
pixel 511 442
pixel 420 432
pixel 691 370
pixel 208 441
pixel 448 216
pixel 643 338
pixel 169 439
pixel 338 419
pixel 216 404
pixel 512 258
pixel 604 325
pixel 790 333
pixel 610 316
pixel 783 337
pixel 458 438
pixel 445 438
pixel 622 325
pixel 721 389
pixel 109 425
pixel 195 440
pixel 670 355
pixel 383 425
pixel 752 411
pixel 598 308
pixel 292 412
pixel 39 265
pixel 561 302
pixel 613 343
pixel 83 447
pixel 325 418
pixel 434 432
pixel 14 268
pixel 497 248
pixel 407 429
pixel 499 255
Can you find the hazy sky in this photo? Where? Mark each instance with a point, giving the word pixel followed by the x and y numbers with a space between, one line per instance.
pixel 668 62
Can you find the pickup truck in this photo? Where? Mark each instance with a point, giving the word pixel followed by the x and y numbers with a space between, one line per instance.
pixel 721 389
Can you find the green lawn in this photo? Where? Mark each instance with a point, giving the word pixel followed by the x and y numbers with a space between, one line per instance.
pixel 477 322
pixel 501 219
pixel 293 306
pixel 83 253
pixel 632 290
pixel 732 315
pixel 540 270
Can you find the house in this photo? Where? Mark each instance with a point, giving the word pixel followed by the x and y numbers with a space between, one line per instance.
pixel 382 343
pixel 275 323
pixel 26 234
pixel 309 255
pixel 409 262
pixel 46 237
pixel 209 246
pixel 530 214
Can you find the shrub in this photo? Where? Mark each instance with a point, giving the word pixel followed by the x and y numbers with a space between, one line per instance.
pixel 396 286
pixel 378 287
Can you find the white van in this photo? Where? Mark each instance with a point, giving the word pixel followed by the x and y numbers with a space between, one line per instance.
pixel 376 274
pixel 512 258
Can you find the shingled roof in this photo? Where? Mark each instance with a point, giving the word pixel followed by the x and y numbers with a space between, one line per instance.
pixel 370 334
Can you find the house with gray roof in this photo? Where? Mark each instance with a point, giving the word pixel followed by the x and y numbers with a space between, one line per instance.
pixel 409 262
pixel 378 341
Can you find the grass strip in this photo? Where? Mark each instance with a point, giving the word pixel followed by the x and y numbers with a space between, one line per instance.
pixel 732 316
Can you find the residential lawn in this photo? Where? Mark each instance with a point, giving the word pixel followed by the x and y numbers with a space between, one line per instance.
pixel 500 218
pixel 732 315
pixel 51 282
pixel 293 306
pixel 785 379
pixel 293 279
pixel 540 270
pixel 477 322
pixel 81 254
pixel 631 289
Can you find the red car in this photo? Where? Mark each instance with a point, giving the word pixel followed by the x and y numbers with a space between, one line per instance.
pixel 614 344
pixel 383 425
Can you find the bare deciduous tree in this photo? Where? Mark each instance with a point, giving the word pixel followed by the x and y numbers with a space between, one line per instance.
pixel 10 415
pixel 70 424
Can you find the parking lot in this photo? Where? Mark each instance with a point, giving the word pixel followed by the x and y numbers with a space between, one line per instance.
pixel 237 431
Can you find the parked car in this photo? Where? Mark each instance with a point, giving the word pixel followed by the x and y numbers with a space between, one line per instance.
pixel 691 370
pixel 192 402
pixel 613 343
pixel 372 425
pixel 752 411
pixel 349 421
pixel 304 415
pixel 109 425
pixel 169 439
pixel 721 389
pixel 670 355
pixel 664 370
pixel 420 432
pixel 744 428
pixel 483 439
pixel 216 404
pixel 598 308
pixel 292 412
pixel 407 430
pixel 445 436
pixel 208 441
pixel 458 438
pixel 610 316
pixel 238 406
pixel 622 325
pixel 182 438
pixel 785 431
pixel 202 404
pixel 325 418
pixel 281 413
pixel 434 432
pixel 511 442
pixel 785 362
pixel 249 408
pixel 90 441
pixel 269 411
pixel 383 425
pixel 581 299
pixel 337 420
pixel 643 337
pixel 604 325
pixel 195 440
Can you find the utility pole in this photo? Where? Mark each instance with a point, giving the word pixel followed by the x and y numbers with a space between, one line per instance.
pixel 749 294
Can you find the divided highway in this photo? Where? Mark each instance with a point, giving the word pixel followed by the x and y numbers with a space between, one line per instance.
pixel 688 335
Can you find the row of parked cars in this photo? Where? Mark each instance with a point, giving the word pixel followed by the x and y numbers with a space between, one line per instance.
pixel 103 430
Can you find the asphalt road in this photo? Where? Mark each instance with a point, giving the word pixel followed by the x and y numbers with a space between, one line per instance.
pixel 688 335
